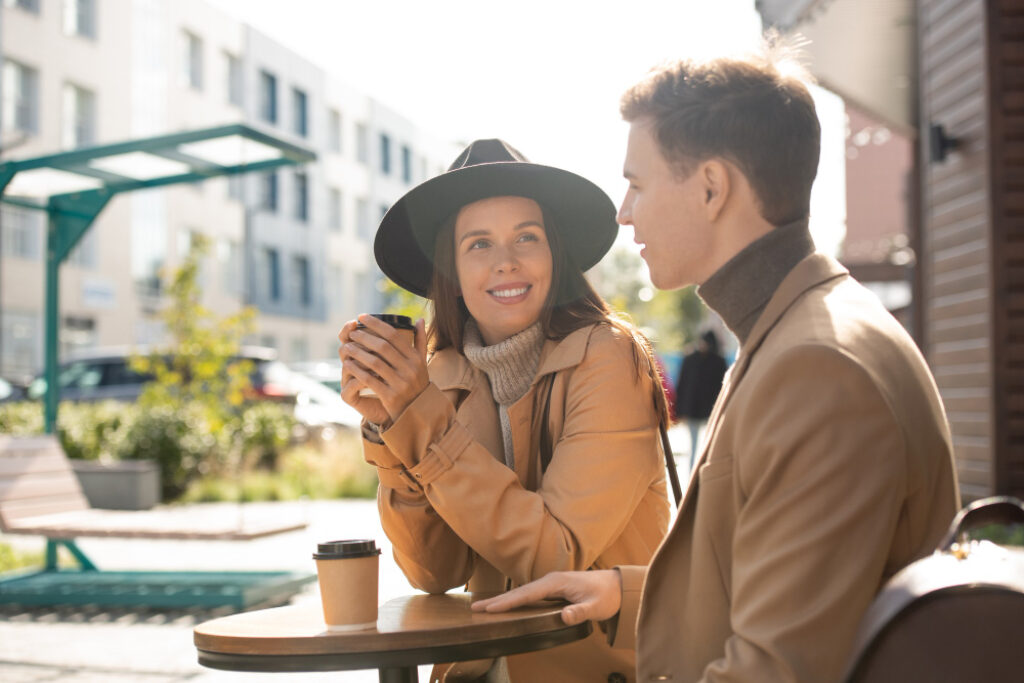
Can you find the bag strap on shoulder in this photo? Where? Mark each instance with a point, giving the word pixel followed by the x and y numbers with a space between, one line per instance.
pixel 546 445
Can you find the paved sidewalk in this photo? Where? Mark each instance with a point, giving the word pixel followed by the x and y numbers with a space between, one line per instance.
pixel 122 646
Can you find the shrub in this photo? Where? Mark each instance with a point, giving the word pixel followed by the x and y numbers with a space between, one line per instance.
pixel 177 438
pixel 266 430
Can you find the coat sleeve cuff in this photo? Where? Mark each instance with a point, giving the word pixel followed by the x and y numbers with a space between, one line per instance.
pixel 421 424
pixel 622 633
pixel 379 455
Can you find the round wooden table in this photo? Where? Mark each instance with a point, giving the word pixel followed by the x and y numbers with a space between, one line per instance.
pixel 412 630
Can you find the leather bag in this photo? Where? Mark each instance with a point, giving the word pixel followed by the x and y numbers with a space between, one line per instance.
pixel 955 616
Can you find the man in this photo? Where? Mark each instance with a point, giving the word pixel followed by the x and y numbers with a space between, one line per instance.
pixel 828 464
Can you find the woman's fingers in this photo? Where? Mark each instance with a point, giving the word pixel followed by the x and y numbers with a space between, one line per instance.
pixel 535 591
pixel 594 595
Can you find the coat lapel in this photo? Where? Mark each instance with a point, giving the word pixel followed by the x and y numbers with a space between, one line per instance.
pixel 814 270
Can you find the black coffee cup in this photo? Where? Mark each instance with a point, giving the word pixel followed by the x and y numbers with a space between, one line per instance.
pixel 402 323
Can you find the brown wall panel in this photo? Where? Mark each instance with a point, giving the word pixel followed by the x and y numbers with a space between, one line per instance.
pixel 956 251
pixel 1005 38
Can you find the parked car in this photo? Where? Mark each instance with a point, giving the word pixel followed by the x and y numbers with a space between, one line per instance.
pixel 104 374
pixel 11 391
pixel 325 371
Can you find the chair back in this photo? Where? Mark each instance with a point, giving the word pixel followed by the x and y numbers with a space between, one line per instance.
pixel 36 479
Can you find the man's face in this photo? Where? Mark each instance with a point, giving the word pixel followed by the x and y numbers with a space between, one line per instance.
pixel 668 214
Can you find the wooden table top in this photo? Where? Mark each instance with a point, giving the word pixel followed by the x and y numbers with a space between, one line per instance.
pixel 417 629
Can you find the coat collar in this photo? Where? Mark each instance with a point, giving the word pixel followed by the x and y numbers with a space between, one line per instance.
pixel 450 369
pixel 812 271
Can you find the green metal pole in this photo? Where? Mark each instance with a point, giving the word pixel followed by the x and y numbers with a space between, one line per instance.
pixel 52 328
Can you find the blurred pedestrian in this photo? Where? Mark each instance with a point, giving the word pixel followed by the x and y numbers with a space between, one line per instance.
pixel 700 380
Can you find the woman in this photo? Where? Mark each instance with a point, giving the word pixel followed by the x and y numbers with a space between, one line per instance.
pixel 529 441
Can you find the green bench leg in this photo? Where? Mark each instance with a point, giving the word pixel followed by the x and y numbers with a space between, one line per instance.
pixel 51 554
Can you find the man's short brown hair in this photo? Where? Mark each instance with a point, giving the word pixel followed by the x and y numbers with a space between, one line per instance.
pixel 755 112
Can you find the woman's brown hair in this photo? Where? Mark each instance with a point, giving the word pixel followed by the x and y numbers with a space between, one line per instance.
pixel 571 304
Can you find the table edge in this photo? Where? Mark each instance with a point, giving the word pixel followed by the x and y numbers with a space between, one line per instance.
pixel 350 661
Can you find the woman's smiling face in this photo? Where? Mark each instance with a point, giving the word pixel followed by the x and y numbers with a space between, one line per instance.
pixel 503 262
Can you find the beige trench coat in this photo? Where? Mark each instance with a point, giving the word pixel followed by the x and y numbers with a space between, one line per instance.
pixel 457 516
pixel 828 468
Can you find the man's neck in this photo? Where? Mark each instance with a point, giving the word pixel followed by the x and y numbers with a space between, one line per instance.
pixel 740 289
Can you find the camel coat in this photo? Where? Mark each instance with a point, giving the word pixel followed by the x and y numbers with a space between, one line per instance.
pixel 828 467
pixel 457 516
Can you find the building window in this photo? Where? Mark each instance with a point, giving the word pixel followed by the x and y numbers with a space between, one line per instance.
pixel 22 336
pixel 272 273
pixel 363 218
pixel 334 288
pixel 86 252
pixel 233 75
pixel 268 192
pixel 406 164
pixel 22 232
pixel 80 18
pixel 27 5
pixel 334 209
pixel 300 112
pixel 302 287
pixel 385 154
pixel 193 62
pixel 236 187
pixel 268 97
pixel 78 125
pixel 362 143
pixel 334 131
pixel 20 98
pixel 301 196
pixel 229 253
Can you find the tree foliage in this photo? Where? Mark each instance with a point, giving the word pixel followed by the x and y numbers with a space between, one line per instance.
pixel 200 364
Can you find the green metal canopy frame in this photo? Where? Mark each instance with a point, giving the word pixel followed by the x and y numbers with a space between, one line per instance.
pixel 73 188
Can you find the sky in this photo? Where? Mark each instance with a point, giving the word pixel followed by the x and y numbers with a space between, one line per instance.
pixel 545 75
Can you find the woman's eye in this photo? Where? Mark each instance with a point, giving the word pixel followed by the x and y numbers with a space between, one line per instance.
pixel 528 237
pixel 480 244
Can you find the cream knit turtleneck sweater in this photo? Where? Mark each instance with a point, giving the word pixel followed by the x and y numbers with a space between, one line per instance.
pixel 510 367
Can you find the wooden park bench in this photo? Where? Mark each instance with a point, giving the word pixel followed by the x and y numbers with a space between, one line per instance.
pixel 40 495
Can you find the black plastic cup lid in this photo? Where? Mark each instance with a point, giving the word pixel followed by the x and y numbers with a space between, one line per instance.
pixel 334 550
pixel 399 322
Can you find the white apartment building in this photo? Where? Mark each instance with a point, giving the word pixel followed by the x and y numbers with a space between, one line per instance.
pixel 295 243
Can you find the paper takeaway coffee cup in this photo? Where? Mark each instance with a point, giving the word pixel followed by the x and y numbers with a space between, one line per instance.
pixel 402 323
pixel 347 572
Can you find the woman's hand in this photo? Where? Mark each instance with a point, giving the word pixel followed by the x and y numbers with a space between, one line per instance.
pixel 378 358
pixel 595 595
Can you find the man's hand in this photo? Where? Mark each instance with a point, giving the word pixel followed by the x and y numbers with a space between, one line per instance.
pixel 596 595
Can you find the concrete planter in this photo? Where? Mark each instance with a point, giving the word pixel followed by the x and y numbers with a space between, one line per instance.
pixel 123 485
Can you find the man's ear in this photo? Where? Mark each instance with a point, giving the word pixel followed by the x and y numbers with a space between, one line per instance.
pixel 717 185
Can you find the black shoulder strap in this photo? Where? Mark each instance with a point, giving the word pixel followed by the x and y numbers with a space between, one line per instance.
pixel 546 447
pixel 670 464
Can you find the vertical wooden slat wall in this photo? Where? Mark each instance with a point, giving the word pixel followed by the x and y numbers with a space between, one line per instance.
pixel 957 249
pixel 1005 22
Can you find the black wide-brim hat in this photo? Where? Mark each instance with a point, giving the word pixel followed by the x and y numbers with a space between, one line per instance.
pixel 583 214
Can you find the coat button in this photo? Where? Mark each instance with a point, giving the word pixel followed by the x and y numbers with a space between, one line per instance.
pixel 616 677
